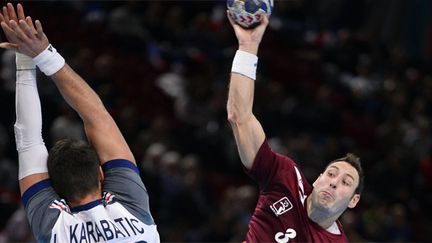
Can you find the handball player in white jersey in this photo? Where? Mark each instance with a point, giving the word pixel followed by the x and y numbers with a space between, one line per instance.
pixel 289 209
pixel 76 192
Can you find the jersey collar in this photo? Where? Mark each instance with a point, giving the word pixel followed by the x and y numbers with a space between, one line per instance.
pixel 87 206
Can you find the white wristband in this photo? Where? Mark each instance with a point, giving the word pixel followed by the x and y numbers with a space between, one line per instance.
pixel 245 64
pixel 24 62
pixel 49 61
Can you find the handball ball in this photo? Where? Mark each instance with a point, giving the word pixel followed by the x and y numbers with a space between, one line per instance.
pixel 248 13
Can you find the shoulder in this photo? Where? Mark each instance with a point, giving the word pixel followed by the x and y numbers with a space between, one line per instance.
pixel 273 170
pixel 120 164
pixel 267 157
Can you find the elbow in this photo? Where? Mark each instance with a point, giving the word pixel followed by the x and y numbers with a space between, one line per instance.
pixel 235 117
pixel 232 118
pixel 232 114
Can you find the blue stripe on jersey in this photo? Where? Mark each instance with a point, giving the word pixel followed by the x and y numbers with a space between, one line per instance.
pixel 29 193
pixel 87 206
pixel 116 163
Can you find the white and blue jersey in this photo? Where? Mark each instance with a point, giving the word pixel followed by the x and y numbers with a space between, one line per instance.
pixel 122 215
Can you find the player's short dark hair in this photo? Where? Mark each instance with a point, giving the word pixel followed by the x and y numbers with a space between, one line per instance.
pixel 355 162
pixel 73 167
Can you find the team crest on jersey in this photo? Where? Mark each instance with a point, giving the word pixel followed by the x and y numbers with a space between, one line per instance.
pixel 60 205
pixel 282 206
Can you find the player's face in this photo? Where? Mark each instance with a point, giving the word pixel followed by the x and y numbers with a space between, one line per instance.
pixel 334 189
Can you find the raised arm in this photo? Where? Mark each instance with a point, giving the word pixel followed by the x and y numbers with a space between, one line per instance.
pixel 101 130
pixel 248 132
pixel 32 153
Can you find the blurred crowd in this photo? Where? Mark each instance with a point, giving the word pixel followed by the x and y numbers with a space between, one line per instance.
pixel 334 76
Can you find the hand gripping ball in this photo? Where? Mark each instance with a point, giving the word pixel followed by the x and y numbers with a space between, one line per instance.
pixel 248 13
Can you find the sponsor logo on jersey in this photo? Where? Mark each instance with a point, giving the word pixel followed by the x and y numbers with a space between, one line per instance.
pixel 282 206
pixel 284 237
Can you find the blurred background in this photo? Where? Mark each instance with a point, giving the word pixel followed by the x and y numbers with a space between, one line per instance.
pixel 334 76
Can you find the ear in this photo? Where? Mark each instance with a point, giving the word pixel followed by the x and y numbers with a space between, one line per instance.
pixel 316 180
pixel 101 175
pixel 354 200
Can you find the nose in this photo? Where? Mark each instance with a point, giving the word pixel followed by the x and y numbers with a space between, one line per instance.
pixel 333 185
pixel 334 182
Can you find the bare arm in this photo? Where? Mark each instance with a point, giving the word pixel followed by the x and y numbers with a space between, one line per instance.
pixel 248 132
pixel 100 128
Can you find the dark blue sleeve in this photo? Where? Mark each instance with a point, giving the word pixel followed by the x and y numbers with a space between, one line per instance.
pixel 123 181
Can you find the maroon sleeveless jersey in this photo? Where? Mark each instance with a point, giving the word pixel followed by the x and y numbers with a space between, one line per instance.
pixel 280 214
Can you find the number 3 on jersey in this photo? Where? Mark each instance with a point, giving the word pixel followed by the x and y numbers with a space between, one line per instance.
pixel 281 237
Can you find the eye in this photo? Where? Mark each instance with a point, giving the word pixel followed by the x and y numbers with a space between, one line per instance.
pixel 330 173
pixel 346 183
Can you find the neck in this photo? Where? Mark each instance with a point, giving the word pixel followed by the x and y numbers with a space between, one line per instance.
pixel 86 199
pixel 320 216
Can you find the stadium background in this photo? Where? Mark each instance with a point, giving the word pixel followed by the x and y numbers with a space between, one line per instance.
pixel 334 76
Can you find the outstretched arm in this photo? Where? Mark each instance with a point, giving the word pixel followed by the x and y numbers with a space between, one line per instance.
pixel 32 153
pixel 100 128
pixel 248 132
